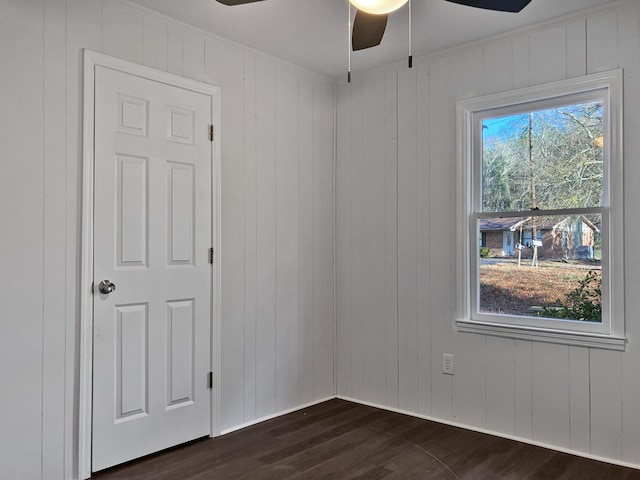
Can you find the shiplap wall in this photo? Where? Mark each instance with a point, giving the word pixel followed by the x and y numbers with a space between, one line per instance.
pixel 395 231
pixel 278 143
pixel 395 257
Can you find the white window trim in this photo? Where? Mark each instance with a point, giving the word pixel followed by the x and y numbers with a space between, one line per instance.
pixel 611 334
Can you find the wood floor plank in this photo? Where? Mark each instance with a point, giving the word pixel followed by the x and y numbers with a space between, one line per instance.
pixel 340 440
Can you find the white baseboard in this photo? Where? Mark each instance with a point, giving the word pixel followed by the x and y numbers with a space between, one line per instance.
pixel 279 414
pixel 495 434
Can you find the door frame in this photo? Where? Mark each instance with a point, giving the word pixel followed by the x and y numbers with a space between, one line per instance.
pixel 93 59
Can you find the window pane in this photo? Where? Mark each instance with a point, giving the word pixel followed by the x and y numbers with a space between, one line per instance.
pixel 558 276
pixel 545 159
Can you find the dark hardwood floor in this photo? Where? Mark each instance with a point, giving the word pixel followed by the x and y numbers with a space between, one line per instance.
pixel 343 440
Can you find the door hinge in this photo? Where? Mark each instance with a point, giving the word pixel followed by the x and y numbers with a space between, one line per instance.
pixel 211 133
pixel 211 255
pixel 210 381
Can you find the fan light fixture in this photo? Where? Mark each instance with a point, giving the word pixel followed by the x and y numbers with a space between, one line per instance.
pixel 378 7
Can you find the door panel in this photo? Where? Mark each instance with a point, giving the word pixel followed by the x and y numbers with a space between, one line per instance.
pixel 131 361
pixel 180 350
pixel 152 232
pixel 180 180
pixel 131 217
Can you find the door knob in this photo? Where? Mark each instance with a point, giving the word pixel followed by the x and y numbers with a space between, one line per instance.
pixel 106 287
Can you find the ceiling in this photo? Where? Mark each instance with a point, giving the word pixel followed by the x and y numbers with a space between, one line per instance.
pixel 313 33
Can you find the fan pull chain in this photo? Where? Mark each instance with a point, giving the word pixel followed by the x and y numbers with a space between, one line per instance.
pixel 410 53
pixel 349 43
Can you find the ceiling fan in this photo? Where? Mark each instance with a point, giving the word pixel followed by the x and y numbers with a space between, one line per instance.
pixel 371 15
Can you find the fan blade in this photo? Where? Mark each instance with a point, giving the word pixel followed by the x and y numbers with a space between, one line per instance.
pixel 499 5
pixel 368 30
pixel 231 3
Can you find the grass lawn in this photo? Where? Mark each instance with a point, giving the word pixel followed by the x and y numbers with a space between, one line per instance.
pixel 506 288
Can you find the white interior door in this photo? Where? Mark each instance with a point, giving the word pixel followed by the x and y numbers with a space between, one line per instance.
pixel 152 234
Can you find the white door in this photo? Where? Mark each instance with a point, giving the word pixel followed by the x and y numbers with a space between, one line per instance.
pixel 152 233
pixel 508 243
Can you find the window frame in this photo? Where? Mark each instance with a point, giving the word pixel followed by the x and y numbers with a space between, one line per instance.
pixel 610 334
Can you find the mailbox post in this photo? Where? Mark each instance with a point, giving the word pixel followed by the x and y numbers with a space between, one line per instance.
pixel 536 244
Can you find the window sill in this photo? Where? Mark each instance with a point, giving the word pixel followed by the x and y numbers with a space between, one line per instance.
pixel 607 342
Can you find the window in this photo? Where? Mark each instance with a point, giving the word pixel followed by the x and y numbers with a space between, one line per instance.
pixel 543 165
pixel 527 237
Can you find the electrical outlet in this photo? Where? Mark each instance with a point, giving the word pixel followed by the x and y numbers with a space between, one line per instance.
pixel 447 363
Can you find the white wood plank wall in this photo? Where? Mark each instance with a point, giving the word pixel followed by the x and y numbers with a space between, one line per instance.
pixel 394 228
pixel 277 219
pixel 396 262
pixel 22 271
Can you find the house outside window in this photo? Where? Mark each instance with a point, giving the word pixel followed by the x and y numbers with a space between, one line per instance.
pixel 540 177
pixel 527 237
